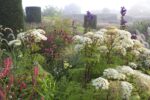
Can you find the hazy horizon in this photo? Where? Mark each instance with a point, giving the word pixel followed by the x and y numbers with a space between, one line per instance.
pixel 86 4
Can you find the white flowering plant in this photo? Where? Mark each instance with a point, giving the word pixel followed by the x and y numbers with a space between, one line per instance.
pixel 102 49
pixel 126 90
pixel 87 47
pixel 100 83
pixel 113 74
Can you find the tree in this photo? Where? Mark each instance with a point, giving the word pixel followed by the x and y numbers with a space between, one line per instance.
pixel 11 14
pixel 51 11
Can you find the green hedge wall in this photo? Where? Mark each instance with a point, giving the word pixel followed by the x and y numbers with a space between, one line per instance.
pixel 11 14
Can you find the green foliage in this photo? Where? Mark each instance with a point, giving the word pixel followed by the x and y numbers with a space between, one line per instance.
pixel 58 23
pixel 136 97
pixel 39 58
pixel 141 25
pixel 73 91
pixel 145 95
pixel 76 74
pixel 46 87
pixel 51 11
pixel 11 14
pixel 114 92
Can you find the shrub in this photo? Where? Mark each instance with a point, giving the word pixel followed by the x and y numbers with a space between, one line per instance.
pixel 11 14
pixel 33 14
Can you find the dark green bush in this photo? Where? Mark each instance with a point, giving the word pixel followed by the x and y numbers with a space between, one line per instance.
pixel 33 14
pixel 11 14
pixel 92 23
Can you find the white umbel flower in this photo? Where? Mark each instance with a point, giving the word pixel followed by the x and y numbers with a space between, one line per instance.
pixel 121 50
pixel 89 34
pixel 133 65
pixel 77 39
pixel 136 53
pixel 103 49
pixel 86 40
pixel 125 70
pixel 99 38
pixel 100 32
pixel 100 83
pixel 103 30
pixel 78 47
pixel 41 31
pixel 137 44
pixel 126 88
pixel 111 73
pixel 21 36
pixel 38 35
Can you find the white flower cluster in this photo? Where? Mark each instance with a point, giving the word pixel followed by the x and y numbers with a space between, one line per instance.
pixel 77 39
pixel 82 40
pixel 89 34
pixel 136 53
pixel 143 80
pixel 123 39
pixel 100 83
pixel 95 37
pixel 133 65
pixel 37 34
pixel 126 88
pixel 87 40
pixel 143 77
pixel 120 73
pixel 125 70
pixel 119 40
pixel 111 73
pixel 103 49
pixel 78 47
pixel 139 50
pixel 145 57
pixel 116 40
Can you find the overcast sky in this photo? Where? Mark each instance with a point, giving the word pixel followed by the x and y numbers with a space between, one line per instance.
pixel 86 4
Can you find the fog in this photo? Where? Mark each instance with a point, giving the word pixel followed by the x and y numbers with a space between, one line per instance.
pixel 135 8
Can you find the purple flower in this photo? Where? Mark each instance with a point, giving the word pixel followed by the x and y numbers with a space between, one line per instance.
pixel 89 16
pixel 134 36
pixel 123 11
pixel 88 13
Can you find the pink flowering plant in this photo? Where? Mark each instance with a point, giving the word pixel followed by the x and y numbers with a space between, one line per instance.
pixel 53 49
pixel 21 73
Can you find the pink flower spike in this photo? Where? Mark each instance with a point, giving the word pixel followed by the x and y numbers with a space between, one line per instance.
pixel 36 71
pixel 7 67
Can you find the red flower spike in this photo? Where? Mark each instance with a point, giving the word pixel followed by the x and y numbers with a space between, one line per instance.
pixel 2 94
pixel 7 67
pixel 23 85
pixel 36 71
pixel 11 80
